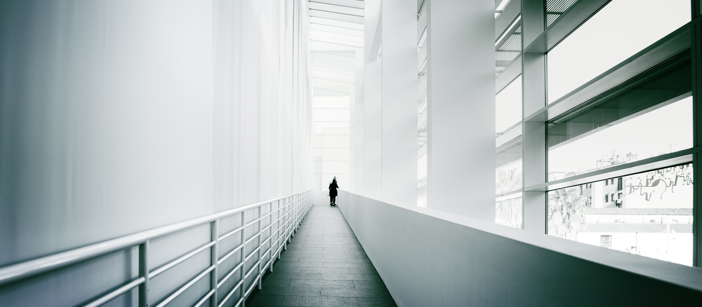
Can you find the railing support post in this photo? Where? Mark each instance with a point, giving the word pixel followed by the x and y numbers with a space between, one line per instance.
pixel 260 258
pixel 144 272
pixel 242 270
pixel 214 237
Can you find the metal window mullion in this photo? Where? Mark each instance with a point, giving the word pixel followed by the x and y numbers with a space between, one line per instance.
pixel 696 46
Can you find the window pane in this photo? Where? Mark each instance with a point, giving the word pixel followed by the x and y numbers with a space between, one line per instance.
pixel 664 130
pixel 331 115
pixel 509 212
pixel 422 167
pixel 619 30
pixel 509 49
pixel 332 102
pixel 508 105
pixel 324 128
pixel 648 117
pixel 508 176
pixel 649 214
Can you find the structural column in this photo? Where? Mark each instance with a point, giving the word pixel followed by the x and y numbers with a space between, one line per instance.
pixel 534 133
pixel 371 100
pixel 461 107
pixel 398 28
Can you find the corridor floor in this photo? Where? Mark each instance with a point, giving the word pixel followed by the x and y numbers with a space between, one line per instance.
pixel 323 266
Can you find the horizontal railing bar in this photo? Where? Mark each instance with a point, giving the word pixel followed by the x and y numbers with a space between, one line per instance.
pixel 62 259
pixel 117 292
pixel 230 294
pixel 173 263
pixel 251 254
pixel 229 254
pixel 229 274
pixel 252 222
pixel 251 239
pixel 266 228
pixel 264 241
pixel 186 286
pixel 246 294
pixel 252 269
pixel 204 298
pixel 230 233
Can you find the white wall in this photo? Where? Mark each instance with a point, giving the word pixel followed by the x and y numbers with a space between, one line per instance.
pixel 120 116
pixel 432 258
pixel 461 107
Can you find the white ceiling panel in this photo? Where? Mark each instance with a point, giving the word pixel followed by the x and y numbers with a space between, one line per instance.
pixel 332 29
pixel 339 17
pixel 336 23
pixel 348 3
pixel 335 9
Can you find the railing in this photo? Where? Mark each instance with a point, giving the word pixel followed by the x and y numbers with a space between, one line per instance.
pixel 294 209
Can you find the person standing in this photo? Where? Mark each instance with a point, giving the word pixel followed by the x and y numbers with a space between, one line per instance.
pixel 332 192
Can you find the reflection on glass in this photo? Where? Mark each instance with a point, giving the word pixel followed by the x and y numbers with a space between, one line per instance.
pixel 619 30
pixel 508 105
pixel 509 212
pixel 508 177
pixel 647 214
pixel 660 131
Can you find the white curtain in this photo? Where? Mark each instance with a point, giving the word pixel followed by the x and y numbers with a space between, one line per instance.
pixel 261 101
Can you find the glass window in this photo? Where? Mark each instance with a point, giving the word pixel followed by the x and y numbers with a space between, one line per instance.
pixel 509 212
pixel 619 30
pixel 653 217
pixel 649 116
pixel 509 49
pixel 322 115
pixel 663 130
pixel 508 105
pixel 508 176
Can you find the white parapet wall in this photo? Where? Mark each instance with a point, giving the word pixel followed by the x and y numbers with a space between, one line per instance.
pixel 431 258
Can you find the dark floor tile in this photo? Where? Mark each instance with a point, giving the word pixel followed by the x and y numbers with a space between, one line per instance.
pixel 376 301
pixel 353 292
pixel 264 300
pixel 324 265
pixel 324 284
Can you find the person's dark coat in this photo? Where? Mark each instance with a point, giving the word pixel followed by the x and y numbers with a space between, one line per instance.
pixel 332 188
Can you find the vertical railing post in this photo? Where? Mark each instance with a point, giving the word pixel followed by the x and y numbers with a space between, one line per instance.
pixel 260 234
pixel 270 237
pixel 214 237
pixel 287 217
pixel 281 236
pixel 242 288
pixel 144 272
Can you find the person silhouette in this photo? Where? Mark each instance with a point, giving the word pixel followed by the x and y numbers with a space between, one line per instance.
pixel 332 192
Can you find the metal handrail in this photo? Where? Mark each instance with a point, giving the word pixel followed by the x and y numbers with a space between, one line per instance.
pixel 295 207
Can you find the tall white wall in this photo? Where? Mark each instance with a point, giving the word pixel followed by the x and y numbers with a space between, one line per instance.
pixel 372 103
pixel 120 116
pixel 461 107
pixel 398 28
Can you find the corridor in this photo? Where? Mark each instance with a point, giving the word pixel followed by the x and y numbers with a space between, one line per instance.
pixel 323 266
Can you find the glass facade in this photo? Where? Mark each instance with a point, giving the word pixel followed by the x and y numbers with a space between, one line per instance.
pixel 647 214
pixel 607 92
pixel 619 30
